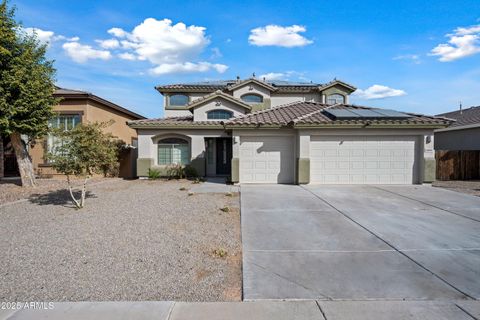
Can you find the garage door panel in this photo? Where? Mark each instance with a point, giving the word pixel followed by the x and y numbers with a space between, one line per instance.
pixel 266 159
pixel 362 159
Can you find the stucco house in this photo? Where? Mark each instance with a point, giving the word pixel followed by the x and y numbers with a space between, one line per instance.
pixel 78 107
pixel 258 131
pixel 458 146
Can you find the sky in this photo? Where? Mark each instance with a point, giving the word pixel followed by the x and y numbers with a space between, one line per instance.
pixel 416 56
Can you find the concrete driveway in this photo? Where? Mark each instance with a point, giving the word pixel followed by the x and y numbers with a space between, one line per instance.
pixel 359 243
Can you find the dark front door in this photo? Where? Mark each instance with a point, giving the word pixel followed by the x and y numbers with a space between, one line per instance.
pixel 224 155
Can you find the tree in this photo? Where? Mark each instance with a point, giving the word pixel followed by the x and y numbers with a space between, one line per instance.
pixel 26 89
pixel 83 151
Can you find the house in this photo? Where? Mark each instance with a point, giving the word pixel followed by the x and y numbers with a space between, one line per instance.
pixel 458 146
pixel 258 131
pixel 79 107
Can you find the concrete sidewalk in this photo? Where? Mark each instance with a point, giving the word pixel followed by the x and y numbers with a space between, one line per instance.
pixel 279 310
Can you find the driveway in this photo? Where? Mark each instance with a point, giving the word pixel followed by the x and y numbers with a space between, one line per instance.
pixel 359 243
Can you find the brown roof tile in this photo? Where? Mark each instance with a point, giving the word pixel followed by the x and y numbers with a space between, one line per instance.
pixel 172 122
pixel 465 117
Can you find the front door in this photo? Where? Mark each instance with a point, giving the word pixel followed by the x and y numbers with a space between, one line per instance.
pixel 224 155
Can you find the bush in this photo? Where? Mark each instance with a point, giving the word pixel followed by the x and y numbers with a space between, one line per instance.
pixel 153 174
pixel 190 172
pixel 175 171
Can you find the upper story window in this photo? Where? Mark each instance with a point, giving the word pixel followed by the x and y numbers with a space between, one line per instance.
pixel 219 115
pixel 335 99
pixel 252 98
pixel 178 100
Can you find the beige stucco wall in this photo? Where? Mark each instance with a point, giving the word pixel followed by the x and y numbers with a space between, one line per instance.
pixel 251 88
pixel 200 112
pixel 90 111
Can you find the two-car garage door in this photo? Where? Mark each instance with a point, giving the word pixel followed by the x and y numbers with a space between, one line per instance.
pixel 362 159
pixel 334 159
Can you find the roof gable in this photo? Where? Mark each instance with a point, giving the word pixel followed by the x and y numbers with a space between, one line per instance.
pixel 469 116
pixel 215 95
pixel 336 82
pixel 248 81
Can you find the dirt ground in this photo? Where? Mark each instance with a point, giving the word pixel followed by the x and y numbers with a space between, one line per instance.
pixel 469 186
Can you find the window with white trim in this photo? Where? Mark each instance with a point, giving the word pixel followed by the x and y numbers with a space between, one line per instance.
pixel 219 114
pixel 173 151
pixel 335 99
pixel 252 98
pixel 64 122
pixel 178 100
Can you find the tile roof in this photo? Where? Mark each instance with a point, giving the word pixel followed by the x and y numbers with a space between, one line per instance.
pixel 312 113
pixel 217 94
pixel 278 85
pixel 465 117
pixel 173 122
pixel 78 94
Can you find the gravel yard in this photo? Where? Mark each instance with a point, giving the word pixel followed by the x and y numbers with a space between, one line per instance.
pixel 467 186
pixel 11 189
pixel 134 240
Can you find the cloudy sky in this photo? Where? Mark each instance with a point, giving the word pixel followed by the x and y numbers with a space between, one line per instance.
pixel 420 56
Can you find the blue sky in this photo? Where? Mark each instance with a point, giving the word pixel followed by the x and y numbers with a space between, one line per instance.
pixel 419 56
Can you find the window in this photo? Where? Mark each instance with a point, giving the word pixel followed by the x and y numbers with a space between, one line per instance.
pixel 219 115
pixel 64 122
pixel 173 151
pixel 252 98
pixel 335 99
pixel 178 100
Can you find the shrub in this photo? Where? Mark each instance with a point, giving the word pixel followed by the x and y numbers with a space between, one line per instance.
pixel 182 189
pixel 153 174
pixel 175 171
pixel 229 194
pixel 225 209
pixel 220 253
pixel 190 172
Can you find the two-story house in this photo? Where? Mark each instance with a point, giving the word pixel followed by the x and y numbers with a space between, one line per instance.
pixel 258 131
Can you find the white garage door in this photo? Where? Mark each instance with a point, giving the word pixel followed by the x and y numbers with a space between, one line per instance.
pixel 266 159
pixel 362 159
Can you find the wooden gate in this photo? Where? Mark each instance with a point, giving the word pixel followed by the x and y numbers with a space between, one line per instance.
pixel 458 165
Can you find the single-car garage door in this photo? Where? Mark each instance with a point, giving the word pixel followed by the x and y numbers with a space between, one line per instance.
pixel 266 159
pixel 363 159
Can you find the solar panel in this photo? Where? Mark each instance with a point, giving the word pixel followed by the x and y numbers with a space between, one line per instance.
pixel 366 114
pixel 392 113
pixel 342 113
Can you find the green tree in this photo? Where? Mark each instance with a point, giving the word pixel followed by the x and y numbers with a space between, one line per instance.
pixel 82 152
pixel 26 89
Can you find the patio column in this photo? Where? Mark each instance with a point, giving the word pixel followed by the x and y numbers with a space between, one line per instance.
pixel 303 158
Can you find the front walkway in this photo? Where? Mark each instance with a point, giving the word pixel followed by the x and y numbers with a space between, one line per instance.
pixel 359 243
pixel 261 310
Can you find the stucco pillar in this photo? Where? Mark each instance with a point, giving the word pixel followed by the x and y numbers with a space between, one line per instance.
pixel 198 148
pixel 235 158
pixel 303 158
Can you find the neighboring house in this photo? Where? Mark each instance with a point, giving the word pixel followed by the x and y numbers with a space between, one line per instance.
pixel 463 134
pixel 458 146
pixel 80 107
pixel 280 132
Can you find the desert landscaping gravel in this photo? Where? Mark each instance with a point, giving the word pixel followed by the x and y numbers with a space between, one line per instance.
pixel 468 186
pixel 134 240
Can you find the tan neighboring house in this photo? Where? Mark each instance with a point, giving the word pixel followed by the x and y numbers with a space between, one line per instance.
pixel 80 107
pixel 260 131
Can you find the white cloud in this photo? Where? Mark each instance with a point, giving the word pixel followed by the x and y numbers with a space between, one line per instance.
pixel 82 53
pixel 109 43
pixel 127 56
pixel 216 53
pixel 378 92
pixel 414 58
pixel 187 67
pixel 274 35
pixel 44 36
pixel 464 42
pixel 287 75
pixel 172 48
pixel 117 32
